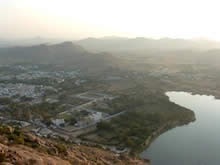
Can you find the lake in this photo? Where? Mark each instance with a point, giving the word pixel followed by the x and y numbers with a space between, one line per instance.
pixel 197 143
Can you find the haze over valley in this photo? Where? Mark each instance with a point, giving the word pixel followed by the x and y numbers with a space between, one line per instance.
pixel 109 82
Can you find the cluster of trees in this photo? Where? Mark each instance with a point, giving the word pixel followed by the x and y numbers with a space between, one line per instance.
pixel 24 111
pixel 134 127
pixel 104 126
pixel 146 112
pixel 5 101
pixel 125 103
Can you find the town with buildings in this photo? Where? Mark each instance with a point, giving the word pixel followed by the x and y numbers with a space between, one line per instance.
pixel 32 86
pixel 69 104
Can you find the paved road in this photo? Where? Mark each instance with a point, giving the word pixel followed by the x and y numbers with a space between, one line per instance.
pixel 82 106
pixel 69 132
pixel 94 124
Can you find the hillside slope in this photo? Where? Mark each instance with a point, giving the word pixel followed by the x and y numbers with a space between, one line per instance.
pixel 65 53
pixel 22 148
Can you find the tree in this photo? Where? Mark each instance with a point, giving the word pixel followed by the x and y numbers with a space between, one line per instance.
pixel 104 126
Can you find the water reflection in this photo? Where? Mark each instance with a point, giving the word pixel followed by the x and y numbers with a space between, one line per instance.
pixel 195 144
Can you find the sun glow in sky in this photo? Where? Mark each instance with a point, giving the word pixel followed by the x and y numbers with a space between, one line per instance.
pixel 75 19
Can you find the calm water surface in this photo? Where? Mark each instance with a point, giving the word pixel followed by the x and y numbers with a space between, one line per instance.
pixel 195 144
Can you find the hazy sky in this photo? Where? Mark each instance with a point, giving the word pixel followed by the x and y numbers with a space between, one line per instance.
pixel 75 19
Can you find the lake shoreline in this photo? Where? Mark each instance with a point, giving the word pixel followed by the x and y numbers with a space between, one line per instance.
pixel 164 128
pixel 188 145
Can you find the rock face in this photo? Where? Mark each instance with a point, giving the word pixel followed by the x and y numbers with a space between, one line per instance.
pixel 39 151
pixel 22 155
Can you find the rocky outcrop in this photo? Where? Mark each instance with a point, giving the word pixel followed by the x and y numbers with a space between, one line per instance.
pixel 33 150
pixel 22 155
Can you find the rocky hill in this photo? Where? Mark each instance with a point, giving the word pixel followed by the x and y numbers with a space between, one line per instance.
pixel 65 53
pixel 22 148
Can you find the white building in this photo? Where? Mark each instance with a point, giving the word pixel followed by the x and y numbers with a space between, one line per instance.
pixel 58 122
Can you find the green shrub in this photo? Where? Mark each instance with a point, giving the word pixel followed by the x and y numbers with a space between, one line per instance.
pixel 19 140
pixel 16 139
pixel 2 157
pixel 61 148
pixel 17 132
pixel 104 126
pixel 5 130
pixel 35 145
pixel 51 151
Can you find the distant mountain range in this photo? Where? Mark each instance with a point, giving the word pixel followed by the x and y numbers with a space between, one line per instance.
pixel 27 42
pixel 119 44
pixel 65 53
pixel 73 54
